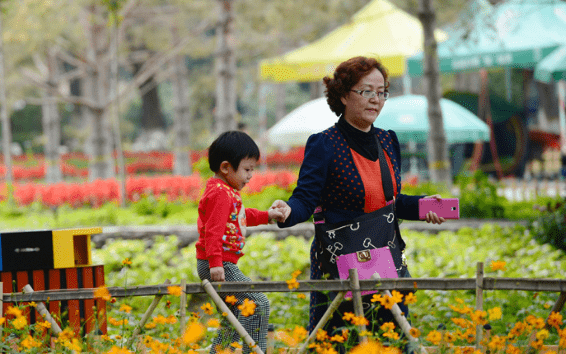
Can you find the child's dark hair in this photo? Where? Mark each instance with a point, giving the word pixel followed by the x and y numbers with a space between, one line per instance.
pixel 231 146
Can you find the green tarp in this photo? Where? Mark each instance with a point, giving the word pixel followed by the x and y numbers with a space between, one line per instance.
pixel 516 34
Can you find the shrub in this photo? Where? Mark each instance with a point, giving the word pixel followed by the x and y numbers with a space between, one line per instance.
pixel 550 226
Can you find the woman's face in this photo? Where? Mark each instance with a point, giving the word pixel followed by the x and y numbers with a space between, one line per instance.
pixel 361 112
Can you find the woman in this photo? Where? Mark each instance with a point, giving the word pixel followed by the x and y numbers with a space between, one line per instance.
pixel 341 171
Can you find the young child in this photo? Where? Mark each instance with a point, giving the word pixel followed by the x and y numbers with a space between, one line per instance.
pixel 222 230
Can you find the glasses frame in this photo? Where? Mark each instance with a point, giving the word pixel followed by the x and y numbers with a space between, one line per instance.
pixel 383 96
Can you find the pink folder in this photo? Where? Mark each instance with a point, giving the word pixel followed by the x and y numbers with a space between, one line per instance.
pixel 368 262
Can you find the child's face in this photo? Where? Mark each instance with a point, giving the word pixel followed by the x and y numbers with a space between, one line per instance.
pixel 237 179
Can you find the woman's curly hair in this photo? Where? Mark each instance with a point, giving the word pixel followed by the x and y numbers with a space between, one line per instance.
pixel 346 75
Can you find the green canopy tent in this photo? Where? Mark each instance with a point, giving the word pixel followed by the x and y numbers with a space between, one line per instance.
pixel 515 34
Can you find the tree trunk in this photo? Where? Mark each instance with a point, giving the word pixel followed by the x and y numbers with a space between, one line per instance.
pixel 6 127
pixel 96 86
pixel 438 162
pixel 225 111
pixel 182 123
pixel 152 114
pixel 51 124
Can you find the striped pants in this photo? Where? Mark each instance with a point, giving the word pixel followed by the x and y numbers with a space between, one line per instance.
pixel 255 325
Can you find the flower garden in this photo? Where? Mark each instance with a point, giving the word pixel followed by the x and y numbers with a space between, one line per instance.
pixel 512 321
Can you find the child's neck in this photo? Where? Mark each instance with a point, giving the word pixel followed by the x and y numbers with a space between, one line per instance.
pixel 221 177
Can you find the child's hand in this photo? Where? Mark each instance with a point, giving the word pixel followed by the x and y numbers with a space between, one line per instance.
pixel 217 273
pixel 283 209
pixel 275 214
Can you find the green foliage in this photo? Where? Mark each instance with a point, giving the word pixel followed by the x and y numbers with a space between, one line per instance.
pixel 202 168
pixel 478 197
pixel 550 226
pixel 154 261
pixel 427 188
pixel 268 195
pixel 161 207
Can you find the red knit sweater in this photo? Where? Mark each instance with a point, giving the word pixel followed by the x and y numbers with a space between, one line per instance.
pixel 222 222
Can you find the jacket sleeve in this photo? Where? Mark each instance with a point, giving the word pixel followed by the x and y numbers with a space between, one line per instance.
pixel 407 206
pixel 219 206
pixel 256 217
pixel 312 178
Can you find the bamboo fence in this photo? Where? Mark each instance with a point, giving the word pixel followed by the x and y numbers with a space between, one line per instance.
pixel 480 284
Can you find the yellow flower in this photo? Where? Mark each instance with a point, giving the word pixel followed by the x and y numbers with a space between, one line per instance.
pixel 2 320
pixel 494 313
pixel 537 344
pixel 373 347
pixel 415 333
pixel 555 320
pixel 449 337
pixel 321 335
pixel 387 326
pixel 542 334
pixel 102 293
pixel 118 337
pixel 117 350
pixel 296 273
pixel 14 311
pixel 460 322
pixel 479 317
pixel 20 322
pixel 231 299
pixel 126 262
pixel 194 332
pixel 434 337
pixel 464 310
pixel 498 265
pixel 392 335
pixel 360 321
pixel 348 316
pixel 286 339
pixel 174 290
pixel 171 319
pixel 388 301
pixel 29 342
pixel 236 345
pixel 150 325
pixel 213 322
pixel 301 296
pixel 293 284
pixel 207 308
pixel 125 308
pixel 32 304
pixel 337 338
pixel 496 343
pixel 536 322
pixel 247 308
pixel 106 338
pixel 410 298
pixel 511 349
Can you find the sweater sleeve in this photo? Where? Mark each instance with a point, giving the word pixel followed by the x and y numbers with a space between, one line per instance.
pixel 312 177
pixel 256 217
pixel 219 208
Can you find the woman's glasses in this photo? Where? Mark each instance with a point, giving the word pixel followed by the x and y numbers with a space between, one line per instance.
pixel 371 94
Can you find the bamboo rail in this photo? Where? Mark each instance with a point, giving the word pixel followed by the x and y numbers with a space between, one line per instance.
pixel 526 284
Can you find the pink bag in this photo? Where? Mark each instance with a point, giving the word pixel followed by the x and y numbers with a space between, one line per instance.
pixel 367 262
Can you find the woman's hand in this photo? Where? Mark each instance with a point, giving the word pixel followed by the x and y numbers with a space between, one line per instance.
pixel 283 208
pixel 431 216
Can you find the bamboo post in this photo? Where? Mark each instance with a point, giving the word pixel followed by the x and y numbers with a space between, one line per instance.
pixel 357 297
pixel 42 311
pixel 146 316
pixel 327 315
pixel 401 320
pixel 558 306
pixel 479 300
pixel 183 305
pixel 231 318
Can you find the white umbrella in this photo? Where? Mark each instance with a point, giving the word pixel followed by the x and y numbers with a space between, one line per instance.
pixel 295 128
pixel 406 115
